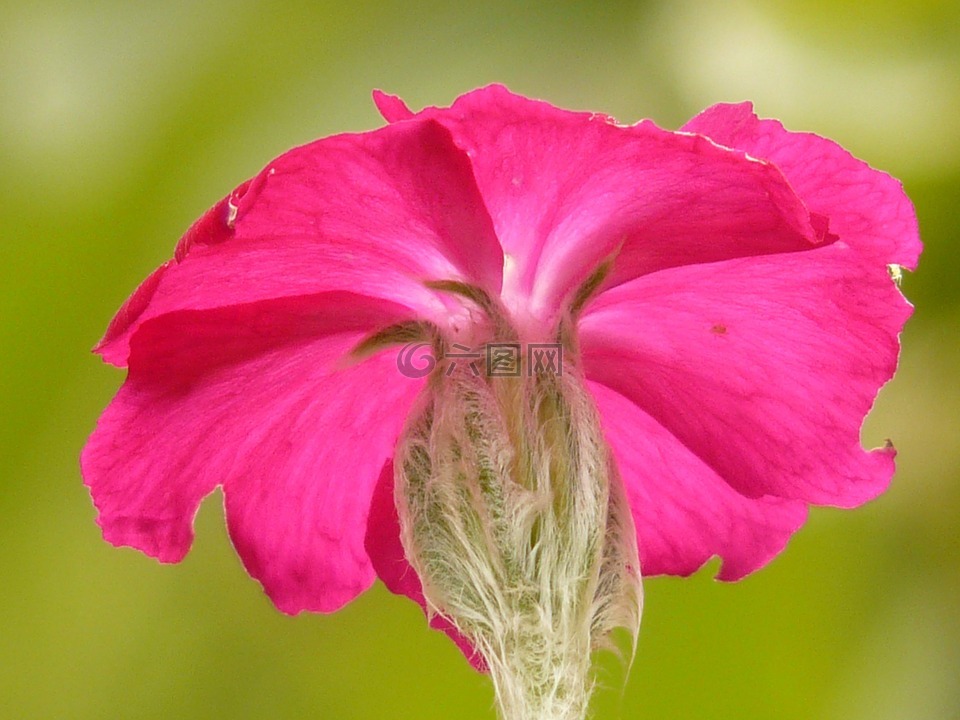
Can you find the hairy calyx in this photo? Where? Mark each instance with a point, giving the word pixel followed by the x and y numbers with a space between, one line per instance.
pixel 513 516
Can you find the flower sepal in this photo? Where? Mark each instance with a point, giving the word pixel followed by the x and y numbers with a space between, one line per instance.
pixel 513 515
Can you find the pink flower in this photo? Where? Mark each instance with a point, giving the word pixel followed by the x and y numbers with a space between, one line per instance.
pixel 741 331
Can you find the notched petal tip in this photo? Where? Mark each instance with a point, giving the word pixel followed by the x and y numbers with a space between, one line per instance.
pixel 128 519
pixel 391 107
pixel 165 542
pixel 767 547
pixel 292 584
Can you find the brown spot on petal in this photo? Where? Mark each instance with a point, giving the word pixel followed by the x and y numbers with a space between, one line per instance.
pixel 719 329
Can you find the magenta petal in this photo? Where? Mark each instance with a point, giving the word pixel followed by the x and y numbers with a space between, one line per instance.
pixel 764 368
pixel 404 192
pixel 255 398
pixel 566 189
pixel 377 214
pixel 684 512
pixel 866 208
pixel 390 562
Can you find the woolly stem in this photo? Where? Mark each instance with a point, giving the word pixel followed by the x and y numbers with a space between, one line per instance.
pixel 513 516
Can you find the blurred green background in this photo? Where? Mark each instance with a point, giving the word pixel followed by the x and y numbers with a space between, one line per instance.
pixel 121 122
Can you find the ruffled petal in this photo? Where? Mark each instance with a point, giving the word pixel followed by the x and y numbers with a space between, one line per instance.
pixel 764 368
pixel 683 510
pixel 377 214
pixel 565 190
pixel 259 399
pixel 866 208
pixel 390 561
